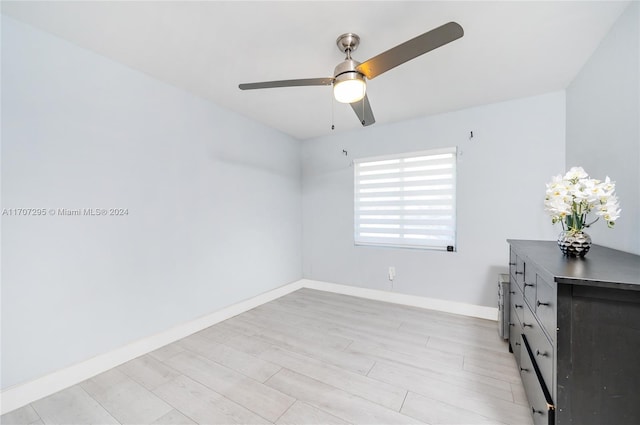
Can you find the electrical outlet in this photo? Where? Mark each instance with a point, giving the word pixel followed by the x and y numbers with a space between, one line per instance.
pixel 392 273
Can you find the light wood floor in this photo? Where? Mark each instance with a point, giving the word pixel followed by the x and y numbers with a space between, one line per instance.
pixel 310 357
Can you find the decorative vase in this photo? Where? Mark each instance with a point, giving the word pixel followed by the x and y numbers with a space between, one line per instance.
pixel 574 244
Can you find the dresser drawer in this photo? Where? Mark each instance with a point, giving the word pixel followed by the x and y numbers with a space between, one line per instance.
pixel 541 349
pixel 512 264
pixel 546 307
pixel 529 287
pixel 515 336
pixel 517 302
pixel 540 404
pixel 519 272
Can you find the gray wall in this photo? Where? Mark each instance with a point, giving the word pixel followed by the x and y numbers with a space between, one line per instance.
pixel 603 125
pixel 502 171
pixel 214 204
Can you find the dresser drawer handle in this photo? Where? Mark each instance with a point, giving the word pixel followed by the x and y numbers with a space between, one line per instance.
pixel 517 306
pixel 534 411
pixel 517 343
pixel 512 292
pixel 519 272
pixel 539 353
pixel 528 284
pixel 522 369
pixel 526 325
pixel 538 303
pixel 512 264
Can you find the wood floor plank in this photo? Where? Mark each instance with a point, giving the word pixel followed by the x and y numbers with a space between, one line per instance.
pixel 354 332
pixel 461 346
pixel 509 374
pixel 232 327
pixel 519 396
pixel 449 378
pixel 253 395
pixel 336 402
pixel 409 324
pixel 257 344
pixel 403 312
pixel 23 416
pixel 166 352
pixel 489 358
pixel 339 315
pixel 280 329
pixel 248 344
pixel 125 399
pixel 431 362
pixel 434 364
pixel 435 412
pixel 302 343
pixel 304 414
pixel 384 394
pixel 237 360
pixel 468 334
pixel 420 316
pixel 72 406
pixel 203 405
pixel 352 362
pixel 375 318
pixel 480 399
pixel 351 327
pixel 321 323
pixel 413 356
pixel 148 371
pixel 174 417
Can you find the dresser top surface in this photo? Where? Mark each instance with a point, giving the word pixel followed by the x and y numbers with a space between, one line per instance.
pixel 601 266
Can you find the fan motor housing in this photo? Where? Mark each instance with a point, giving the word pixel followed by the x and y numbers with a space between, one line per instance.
pixel 347 66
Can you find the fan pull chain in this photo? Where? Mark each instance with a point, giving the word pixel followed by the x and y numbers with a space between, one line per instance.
pixel 363 117
pixel 333 127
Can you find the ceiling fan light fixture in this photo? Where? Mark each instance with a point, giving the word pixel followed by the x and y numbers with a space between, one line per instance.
pixel 350 76
pixel 349 87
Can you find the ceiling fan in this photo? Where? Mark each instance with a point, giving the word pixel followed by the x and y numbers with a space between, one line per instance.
pixel 349 77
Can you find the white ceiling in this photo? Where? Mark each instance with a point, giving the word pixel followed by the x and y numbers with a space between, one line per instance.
pixel 509 50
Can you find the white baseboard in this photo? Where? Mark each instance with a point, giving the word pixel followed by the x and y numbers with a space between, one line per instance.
pixel 20 395
pixel 482 312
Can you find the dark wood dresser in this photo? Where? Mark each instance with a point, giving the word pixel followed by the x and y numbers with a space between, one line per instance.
pixel 575 333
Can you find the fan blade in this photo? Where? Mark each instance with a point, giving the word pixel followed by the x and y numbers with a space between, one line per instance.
pixel 287 83
pixel 363 110
pixel 411 49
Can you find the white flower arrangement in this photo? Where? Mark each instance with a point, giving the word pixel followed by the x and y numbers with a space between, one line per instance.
pixel 571 198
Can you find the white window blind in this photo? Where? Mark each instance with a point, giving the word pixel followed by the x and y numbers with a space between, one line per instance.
pixel 406 200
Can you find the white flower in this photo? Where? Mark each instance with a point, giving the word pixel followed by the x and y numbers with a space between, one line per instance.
pixel 594 190
pixel 609 209
pixel 608 186
pixel 558 206
pixel 570 198
pixel 576 173
pixel 580 190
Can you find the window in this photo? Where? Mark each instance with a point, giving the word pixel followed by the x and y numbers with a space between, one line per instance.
pixel 406 200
